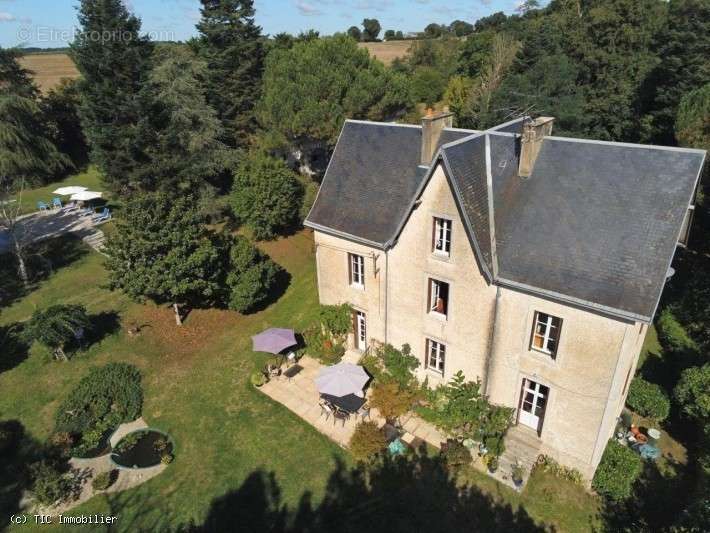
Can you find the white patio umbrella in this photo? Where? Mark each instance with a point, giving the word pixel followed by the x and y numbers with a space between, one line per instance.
pixel 83 196
pixel 342 379
pixel 66 191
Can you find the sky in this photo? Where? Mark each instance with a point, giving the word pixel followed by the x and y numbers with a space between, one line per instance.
pixel 51 23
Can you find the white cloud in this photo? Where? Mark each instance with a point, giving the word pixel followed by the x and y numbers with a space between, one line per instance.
pixel 373 5
pixel 6 17
pixel 306 9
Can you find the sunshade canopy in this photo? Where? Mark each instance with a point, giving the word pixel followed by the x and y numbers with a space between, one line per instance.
pixel 273 340
pixel 66 191
pixel 85 195
pixel 342 379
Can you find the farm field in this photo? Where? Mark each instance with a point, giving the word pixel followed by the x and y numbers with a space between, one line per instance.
pixel 49 69
pixel 387 51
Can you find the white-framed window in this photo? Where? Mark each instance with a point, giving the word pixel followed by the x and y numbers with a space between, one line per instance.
pixel 442 236
pixel 357 270
pixel 438 297
pixel 546 333
pixel 436 355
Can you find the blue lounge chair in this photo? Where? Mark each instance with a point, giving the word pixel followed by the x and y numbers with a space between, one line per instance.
pixel 42 206
pixel 102 217
pixel 56 202
pixel 71 206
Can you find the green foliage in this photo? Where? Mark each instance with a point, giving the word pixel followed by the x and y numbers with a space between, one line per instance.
pixel 257 379
pixel 50 484
pixel 433 30
pixel 160 250
pixel 337 319
pixel 456 455
pixel 57 325
pixel 367 440
pixel 104 480
pixel 693 393
pixel 390 400
pixel 355 33
pixel 251 275
pixel 648 399
pixel 113 70
pixel 129 442
pixel 374 366
pixel 400 364
pixel 548 464
pixel 461 28
pixel 673 335
pixel 304 103
pixel 323 346
pixel 617 471
pixel 106 397
pixel 232 46
pixel 692 125
pixel 60 110
pixel 427 85
pixel 13 77
pixel 266 196
pixel 371 29
pixel 167 458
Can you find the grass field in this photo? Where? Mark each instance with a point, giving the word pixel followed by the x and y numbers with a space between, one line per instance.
pixel 387 51
pixel 89 178
pixel 49 69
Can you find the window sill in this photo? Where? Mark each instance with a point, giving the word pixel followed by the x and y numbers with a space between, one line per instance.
pixel 435 372
pixel 440 256
pixel 439 316
pixel 543 355
pixel 357 286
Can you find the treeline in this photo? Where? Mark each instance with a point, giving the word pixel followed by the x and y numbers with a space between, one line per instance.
pixel 371 30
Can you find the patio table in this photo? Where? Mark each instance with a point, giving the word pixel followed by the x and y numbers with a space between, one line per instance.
pixel 350 402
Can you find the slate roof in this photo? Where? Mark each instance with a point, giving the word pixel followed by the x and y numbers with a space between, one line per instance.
pixel 596 224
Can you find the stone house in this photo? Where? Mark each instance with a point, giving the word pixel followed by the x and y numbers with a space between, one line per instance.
pixel 531 262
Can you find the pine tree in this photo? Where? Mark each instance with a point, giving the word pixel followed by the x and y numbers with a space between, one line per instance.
pixel 231 44
pixel 14 78
pixel 113 59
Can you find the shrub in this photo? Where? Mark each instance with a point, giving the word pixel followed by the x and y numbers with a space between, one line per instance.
pixel 373 365
pixel 648 399
pixel 103 399
pixel 167 458
pixel 673 335
pixel 693 392
pixel 456 454
pixel 400 364
pixel 322 347
pixel 617 471
pixel 251 275
pixel 57 327
pixel 367 440
pixel 336 319
pixel 258 379
pixel 266 196
pixel 49 482
pixel 104 480
pixel 62 441
pixel 548 464
pixel 390 400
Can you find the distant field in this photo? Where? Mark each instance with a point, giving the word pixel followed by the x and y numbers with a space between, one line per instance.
pixel 49 69
pixel 387 51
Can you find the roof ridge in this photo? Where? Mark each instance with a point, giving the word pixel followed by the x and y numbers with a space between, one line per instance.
pixel 380 123
pixel 627 145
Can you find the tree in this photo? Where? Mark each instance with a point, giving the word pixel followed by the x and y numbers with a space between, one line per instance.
pixel 13 78
pixel 433 30
pixel 427 85
pixel 112 58
pixel 693 393
pixel 371 29
pixel 389 35
pixel 461 28
pixel 162 251
pixel 266 196
pixel 399 36
pixel 527 6
pixel 692 126
pixel 180 131
pixel 304 105
pixel 231 44
pixel 58 326
pixel 251 276
pixel 60 110
pixel 355 33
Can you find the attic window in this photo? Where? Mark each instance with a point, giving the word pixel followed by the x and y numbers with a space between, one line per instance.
pixel 442 237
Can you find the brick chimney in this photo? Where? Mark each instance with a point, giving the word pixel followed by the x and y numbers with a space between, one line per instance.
pixel 432 126
pixel 534 131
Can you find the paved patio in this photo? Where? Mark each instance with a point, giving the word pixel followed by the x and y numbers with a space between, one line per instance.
pixel 301 396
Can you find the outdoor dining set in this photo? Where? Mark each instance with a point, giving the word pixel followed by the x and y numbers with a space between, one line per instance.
pixel 78 197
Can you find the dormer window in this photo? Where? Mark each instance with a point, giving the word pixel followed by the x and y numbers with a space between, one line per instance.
pixel 442 236
pixel 357 270
pixel 438 297
pixel 546 333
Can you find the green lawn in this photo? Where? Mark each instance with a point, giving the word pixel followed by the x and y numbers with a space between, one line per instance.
pixel 90 178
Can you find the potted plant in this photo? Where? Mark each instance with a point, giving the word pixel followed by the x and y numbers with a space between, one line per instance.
pixel 258 379
pixel 492 463
pixel 517 474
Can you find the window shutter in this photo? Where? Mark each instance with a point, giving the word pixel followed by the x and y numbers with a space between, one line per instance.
pixel 428 296
pixel 426 353
pixel 350 269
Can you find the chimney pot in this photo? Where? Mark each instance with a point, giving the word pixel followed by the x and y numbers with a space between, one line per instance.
pixel 432 126
pixel 534 131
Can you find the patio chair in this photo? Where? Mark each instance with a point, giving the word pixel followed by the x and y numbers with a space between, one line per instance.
pixel 339 414
pixel 102 217
pixel 272 371
pixel 291 358
pixel 325 409
pixel 42 206
pixel 71 206
pixel 56 202
pixel 363 412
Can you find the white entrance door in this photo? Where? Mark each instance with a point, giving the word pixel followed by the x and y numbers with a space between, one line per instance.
pixel 361 333
pixel 532 404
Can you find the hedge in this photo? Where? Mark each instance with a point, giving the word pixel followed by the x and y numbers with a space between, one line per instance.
pixel 618 470
pixel 673 335
pixel 648 399
pixel 367 441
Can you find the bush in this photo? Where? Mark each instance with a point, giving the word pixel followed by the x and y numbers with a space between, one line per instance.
pixel 336 319
pixel 390 400
pixel 258 379
pixel 367 440
pixel 49 485
pixel 456 454
pixel 673 335
pixel 106 397
pixel 400 365
pixel 323 347
pixel 167 458
pixel 548 464
pixel 251 275
pixel 693 392
pixel 266 196
pixel 648 399
pixel 104 480
pixel 617 471
pixel 57 327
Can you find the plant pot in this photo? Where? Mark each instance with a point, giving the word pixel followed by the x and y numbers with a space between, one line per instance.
pixel 518 482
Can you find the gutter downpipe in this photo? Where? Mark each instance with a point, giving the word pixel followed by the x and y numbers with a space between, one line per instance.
pixel 387 291
pixel 493 335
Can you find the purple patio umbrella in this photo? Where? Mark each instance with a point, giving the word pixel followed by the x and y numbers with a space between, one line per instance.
pixel 273 340
pixel 342 379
